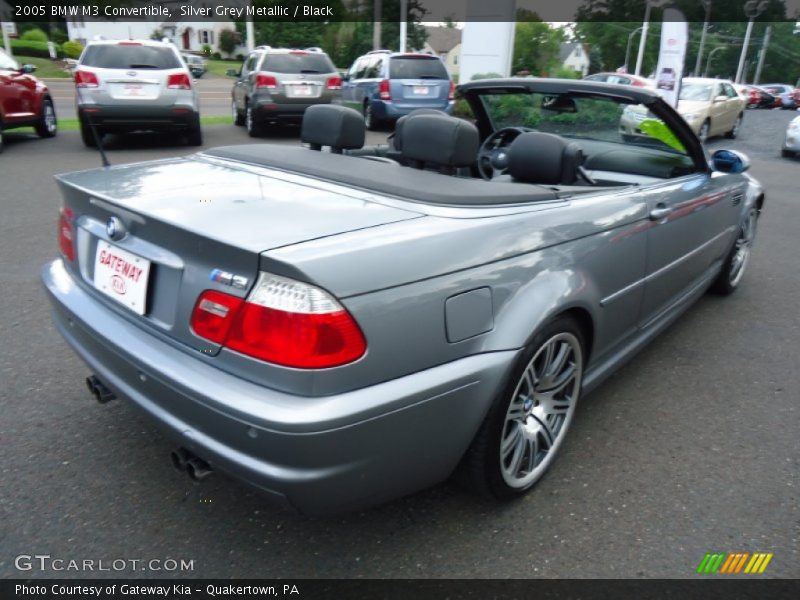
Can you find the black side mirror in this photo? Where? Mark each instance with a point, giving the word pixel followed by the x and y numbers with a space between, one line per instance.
pixel 26 69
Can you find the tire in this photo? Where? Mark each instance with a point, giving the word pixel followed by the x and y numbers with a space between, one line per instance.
pixel 2 143
pixel 370 120
pixel 736 262
pixel 737 125
pixel 705 128
pixel 254 129
pixel 787 153
pixel 47 126
pixel 238 117
pixel 87 136
pixel 522 433
pixel 195 136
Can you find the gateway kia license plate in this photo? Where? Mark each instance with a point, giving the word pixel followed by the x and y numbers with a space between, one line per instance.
pixel 121 275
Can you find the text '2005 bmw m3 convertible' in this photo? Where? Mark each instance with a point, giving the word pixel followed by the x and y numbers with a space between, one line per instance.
pixel 339 325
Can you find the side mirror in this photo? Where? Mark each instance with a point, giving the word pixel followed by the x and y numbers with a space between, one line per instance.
pixel 345 76
pixel 232 73
pixel 26 69
pixel 730 161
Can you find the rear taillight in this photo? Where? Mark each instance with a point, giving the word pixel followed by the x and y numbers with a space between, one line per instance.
pixel 451 95
pixel 179 81
pixel 66 234
pixel 383 90
pixel 334 83
pixel 638 83
pixel 266 81
pixel 86 79
pixel 283 321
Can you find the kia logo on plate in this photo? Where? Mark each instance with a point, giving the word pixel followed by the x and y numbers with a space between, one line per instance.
pixel 118 283
pixel 115 229
pixel 132 73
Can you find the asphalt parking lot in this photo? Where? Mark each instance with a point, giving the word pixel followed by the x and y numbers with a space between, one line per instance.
pixel 693 447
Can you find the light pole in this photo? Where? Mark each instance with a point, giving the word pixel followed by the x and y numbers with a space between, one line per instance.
pixel 628 48
pixel 643 39
pixel 751 10
pixel 710 56
pixel 707 5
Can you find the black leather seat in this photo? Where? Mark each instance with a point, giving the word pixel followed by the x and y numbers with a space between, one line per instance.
pixel 544 158
pixel 439 141
pixel 333 125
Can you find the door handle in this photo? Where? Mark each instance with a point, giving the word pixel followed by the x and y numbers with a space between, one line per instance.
pixel 659 212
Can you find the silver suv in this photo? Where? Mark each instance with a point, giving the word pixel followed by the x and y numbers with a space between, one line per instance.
pixel 276 85
pixel 132 85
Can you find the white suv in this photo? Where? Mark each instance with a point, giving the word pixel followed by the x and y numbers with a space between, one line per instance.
pixel 132 85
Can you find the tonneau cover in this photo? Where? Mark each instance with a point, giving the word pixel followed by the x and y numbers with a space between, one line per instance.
pixel 384 178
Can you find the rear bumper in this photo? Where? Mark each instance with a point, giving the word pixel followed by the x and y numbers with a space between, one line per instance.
pixel 316 454
pixel 390 111
pixel 132 118
pixel 267 110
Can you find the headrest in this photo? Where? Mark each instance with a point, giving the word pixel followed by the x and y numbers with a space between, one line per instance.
pixel 537 157
pixel 397 137
pixel 440 140
pixel 333 125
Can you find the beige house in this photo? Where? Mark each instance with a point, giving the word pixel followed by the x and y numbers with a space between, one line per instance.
pixel 445 42
pixel 574 56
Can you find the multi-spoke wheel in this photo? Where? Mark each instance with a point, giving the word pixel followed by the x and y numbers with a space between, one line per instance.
pixel 521 435
pixel 735 265
pixel 47 125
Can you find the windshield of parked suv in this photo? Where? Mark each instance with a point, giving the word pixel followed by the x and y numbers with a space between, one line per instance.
pixel 696 92
pixel 581 117
pixel 413 67
pixel 6 62
pixel 298 62
pixel 125 56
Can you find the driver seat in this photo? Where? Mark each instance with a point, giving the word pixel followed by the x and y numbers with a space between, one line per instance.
pixel 543 158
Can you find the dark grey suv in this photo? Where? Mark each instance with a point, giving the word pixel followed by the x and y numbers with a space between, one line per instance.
pixel 276 85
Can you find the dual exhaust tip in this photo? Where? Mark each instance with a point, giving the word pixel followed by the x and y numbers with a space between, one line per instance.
pixel 100 392
pixel 195 467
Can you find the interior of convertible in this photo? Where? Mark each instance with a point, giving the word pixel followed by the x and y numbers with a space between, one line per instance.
pixel 536 147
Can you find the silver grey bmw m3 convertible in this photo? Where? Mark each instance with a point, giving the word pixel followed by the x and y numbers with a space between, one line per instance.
pixel 339 325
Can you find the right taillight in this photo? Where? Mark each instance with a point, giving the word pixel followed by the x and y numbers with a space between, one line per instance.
pixel 66 234
pixel 383 90
pixel 282 321
pixel 86 79
pixel 451 95
pixel 266 81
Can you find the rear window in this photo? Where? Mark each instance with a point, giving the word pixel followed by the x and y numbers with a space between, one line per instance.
pixel 408 67
pixel 307 62
pixel 105 56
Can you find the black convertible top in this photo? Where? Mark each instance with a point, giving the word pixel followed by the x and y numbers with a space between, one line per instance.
pixel 384 178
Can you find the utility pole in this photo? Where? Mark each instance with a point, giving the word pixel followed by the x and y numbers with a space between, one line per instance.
pixel 763 53
pixel 376 24
pixel 707 4
pixel 403 24
pixel 751 10
pixel 643 39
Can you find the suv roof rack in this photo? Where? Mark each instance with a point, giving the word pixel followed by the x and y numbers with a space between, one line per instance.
pixel 379 52
pixel 266 48
pixel 314 49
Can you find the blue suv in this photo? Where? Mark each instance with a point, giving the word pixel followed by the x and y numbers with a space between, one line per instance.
pixel 385 85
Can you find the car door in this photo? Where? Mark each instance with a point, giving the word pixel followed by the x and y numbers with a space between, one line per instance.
pixel 733 106
pixel 241 88
pixel 349 86
pixel 17 92
pixel 692 221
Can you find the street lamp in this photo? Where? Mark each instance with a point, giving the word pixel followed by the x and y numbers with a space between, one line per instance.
pixel 645 27
pixel 707 5
pixel 628 48
pixel 710 56
pixel 751 10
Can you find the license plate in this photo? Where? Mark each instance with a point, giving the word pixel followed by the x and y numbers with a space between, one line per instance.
pixel 132 89
pixel 121 275
pixel 421 90
pixel 301 90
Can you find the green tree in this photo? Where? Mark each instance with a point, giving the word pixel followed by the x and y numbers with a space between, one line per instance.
pixel 536 46
pixel 228 39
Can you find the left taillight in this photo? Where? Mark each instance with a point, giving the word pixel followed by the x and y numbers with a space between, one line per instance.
pixel 179 81
pixel 86 79
pixel 334 83
pixel 282 321
pixel 66 234
pixel 451 95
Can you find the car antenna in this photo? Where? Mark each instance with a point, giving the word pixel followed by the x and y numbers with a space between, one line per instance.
pixel 97 140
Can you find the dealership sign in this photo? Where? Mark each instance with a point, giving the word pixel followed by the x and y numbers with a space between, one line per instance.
pixel 671 55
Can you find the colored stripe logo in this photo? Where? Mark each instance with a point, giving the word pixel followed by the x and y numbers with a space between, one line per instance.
pixel 734 563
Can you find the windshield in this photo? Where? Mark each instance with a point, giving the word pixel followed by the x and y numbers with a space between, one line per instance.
pixel 298 62
pixel 413 67
pixel 583 117
pixel 125 56
pixel 696 92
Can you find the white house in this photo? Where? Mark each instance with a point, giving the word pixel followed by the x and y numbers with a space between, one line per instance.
pixel 445 42
pixel 574 56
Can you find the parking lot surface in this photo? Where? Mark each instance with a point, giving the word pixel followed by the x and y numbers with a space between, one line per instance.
pixel 691 448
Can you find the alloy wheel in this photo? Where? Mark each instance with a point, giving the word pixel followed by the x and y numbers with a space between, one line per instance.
pixel 744 244
pixel 540 410
pixel 49 118
pixel 703 134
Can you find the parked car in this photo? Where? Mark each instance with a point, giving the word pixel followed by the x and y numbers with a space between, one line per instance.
pixel 197 64
pixel 24 100
pixel 710 106
pixel 277 85
pixel 342 328
pixel 759 98
pixel 791 143
pixel 786 93
pixel 130 85
pixel 621 79
pixel 385 85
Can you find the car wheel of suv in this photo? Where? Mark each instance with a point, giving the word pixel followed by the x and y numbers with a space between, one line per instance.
pixel 370 120
pixel 527 423
pixel 253 128
pixel 195 136
pixel 736 127
pixel 88 136
pixel 238 118
pixel 1 136
pixel 787 153
pixel 47 125
pixel 736 262
pixel 704 131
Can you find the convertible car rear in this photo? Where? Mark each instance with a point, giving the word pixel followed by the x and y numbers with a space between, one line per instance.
pixel 339 328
